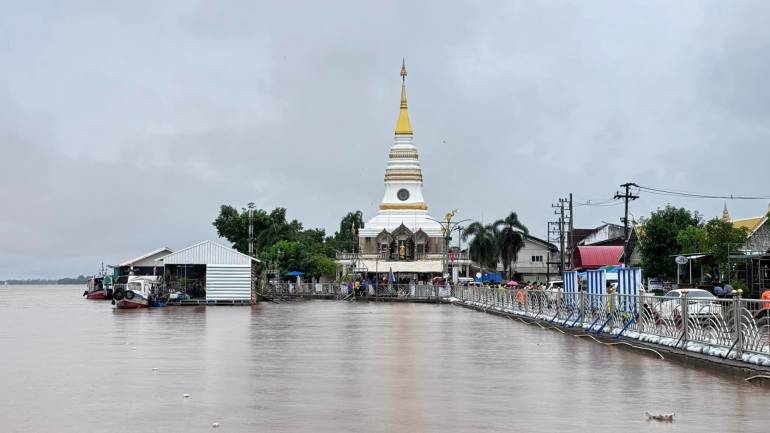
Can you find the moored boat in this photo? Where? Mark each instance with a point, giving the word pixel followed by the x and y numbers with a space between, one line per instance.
pixel 98 288
pixel 138 292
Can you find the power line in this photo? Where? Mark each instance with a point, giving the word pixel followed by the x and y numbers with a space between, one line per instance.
pixel 660 191
pixel 600 204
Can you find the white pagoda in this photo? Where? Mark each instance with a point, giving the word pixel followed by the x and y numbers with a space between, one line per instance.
pixel 402 237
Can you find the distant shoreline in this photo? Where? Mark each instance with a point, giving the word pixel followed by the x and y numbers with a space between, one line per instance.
pixel 41 282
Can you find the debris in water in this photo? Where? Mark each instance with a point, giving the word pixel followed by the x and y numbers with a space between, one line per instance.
pixel 154 368
pixel 215 425
pixel 661 417
pixel 186 395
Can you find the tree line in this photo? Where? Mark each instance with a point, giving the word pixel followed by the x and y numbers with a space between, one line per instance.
pixel 671 231
pixel 285 244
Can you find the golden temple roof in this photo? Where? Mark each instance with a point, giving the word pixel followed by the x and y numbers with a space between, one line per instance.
pixel 403 125
pixel 749 223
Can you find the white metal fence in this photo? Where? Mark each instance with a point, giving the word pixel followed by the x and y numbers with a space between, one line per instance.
pixel 342 291
pixel 733 328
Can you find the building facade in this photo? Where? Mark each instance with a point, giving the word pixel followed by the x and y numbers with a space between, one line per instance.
pixel 537 261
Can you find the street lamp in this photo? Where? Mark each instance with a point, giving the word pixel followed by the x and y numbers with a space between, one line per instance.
pixel 447 227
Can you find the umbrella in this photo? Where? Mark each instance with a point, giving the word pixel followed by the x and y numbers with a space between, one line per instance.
pixel 512 283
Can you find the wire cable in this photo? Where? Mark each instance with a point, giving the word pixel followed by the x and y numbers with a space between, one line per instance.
pixel 660 191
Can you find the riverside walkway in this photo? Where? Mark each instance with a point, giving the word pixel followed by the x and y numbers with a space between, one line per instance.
pixel 732 332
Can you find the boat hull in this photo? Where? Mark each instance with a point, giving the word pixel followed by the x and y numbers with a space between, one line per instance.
pixel 98 295
pixel 127 304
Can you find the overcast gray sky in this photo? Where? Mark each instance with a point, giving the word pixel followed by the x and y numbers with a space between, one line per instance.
pixel 125 125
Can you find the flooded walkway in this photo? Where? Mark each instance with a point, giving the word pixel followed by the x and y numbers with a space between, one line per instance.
pixel 330 366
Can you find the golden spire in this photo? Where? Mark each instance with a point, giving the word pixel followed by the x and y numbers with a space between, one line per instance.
pixel 403 125
pixel 725 214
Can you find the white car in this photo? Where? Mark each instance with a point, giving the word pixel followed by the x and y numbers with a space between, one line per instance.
pixel 701 304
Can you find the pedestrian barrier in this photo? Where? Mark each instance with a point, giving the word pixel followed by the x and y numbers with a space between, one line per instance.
pixel 417 292
pixel 737 328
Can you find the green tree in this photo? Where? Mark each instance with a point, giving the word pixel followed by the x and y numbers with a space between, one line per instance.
pixel 319 265
pixel 691 240
pixel 483 247
pixel 511 234
pixel 721 237
pixel 287 256
pixel 659 239
pixel 346 239
pixel 268 228
pixel 277 229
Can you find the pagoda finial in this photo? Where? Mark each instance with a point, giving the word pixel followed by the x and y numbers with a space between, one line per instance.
pixel 403 125
pixel 725 214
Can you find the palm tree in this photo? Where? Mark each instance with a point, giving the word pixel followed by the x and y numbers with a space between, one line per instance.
pixel 483 248
pixel 511 234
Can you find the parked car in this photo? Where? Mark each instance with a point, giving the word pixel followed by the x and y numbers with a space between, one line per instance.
pixel 701 305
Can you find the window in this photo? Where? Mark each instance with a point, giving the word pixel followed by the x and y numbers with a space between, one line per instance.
pixel 537 259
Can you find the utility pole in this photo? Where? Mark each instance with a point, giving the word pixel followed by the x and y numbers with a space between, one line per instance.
pixel 251 229
pixel 559 210
pixel 552 237
pixel 626 197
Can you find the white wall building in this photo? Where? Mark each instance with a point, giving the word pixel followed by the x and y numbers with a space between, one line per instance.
pixel 533 261
pixel 223 273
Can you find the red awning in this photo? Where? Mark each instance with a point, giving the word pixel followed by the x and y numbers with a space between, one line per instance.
pixel 593 257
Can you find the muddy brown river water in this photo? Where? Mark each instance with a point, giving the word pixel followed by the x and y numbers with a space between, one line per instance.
pixel 71 365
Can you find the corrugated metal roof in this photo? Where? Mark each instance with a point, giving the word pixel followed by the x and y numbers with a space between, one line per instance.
pixel 592 257
pixel 207 253
pixel 160 252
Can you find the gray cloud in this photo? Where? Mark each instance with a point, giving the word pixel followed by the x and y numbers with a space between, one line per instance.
pixel 123 126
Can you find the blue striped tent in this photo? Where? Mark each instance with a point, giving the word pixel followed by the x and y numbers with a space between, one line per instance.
pixel 629 282
pixel 597 286
pixel 570 288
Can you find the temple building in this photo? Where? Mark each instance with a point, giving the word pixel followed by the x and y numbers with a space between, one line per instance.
pixel 402 238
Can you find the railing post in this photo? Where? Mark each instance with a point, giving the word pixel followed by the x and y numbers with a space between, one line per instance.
pixel 685 317
pixel 737 323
